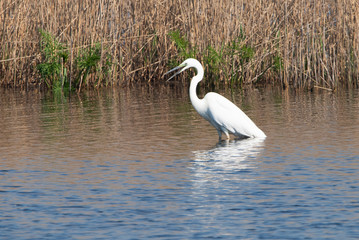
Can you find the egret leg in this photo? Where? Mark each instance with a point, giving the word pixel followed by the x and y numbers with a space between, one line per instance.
pixel 227 135
pixel 219 135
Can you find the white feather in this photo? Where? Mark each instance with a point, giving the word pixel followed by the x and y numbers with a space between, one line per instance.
pixel 224 115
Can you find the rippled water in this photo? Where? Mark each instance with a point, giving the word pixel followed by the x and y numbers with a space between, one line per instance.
pixel 141 164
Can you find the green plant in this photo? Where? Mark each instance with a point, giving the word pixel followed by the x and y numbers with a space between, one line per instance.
pixel 277 59
pixel 239 53
pixel 54 57
pixel 277 64
pixel 213 62
pixel 150 51
pixel 105 69
pixel 236 55
pixel 184 49
pixel 87 62
pixel 212 59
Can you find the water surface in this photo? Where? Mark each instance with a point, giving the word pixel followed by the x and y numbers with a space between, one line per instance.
pixel 141 164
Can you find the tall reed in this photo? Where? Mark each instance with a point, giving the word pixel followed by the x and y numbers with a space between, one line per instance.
pixel 303 43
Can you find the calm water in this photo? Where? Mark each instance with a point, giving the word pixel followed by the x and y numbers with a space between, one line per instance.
pixel 141 164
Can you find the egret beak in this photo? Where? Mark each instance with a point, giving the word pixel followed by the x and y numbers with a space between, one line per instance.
pixel 176 68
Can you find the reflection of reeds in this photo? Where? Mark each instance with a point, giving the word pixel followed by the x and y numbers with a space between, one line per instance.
pixel 302 43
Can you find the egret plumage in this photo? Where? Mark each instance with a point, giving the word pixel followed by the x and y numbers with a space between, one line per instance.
pixel 224 115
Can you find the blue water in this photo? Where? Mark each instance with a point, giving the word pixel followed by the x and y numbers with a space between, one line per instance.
pixel 139 165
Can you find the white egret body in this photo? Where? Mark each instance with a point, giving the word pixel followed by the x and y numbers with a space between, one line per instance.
pixel 224 115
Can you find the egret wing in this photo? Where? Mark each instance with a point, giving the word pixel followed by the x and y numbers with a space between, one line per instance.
pixel 227 115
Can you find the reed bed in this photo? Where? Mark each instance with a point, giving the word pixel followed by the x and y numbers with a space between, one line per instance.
pixel 301 43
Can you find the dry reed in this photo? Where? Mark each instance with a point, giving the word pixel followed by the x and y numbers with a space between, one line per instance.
pixel 316 42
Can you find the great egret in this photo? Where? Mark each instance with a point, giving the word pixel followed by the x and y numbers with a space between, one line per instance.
pixel 225 116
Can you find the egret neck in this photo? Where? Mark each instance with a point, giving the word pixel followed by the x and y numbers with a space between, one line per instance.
pixel 197 103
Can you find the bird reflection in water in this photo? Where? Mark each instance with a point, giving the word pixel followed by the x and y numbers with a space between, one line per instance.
pixel 226 159
pixel 221 180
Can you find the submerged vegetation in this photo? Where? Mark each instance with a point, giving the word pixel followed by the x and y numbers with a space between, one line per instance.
pixel 75 44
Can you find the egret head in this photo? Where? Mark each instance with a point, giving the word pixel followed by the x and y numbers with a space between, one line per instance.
pixel 190 62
